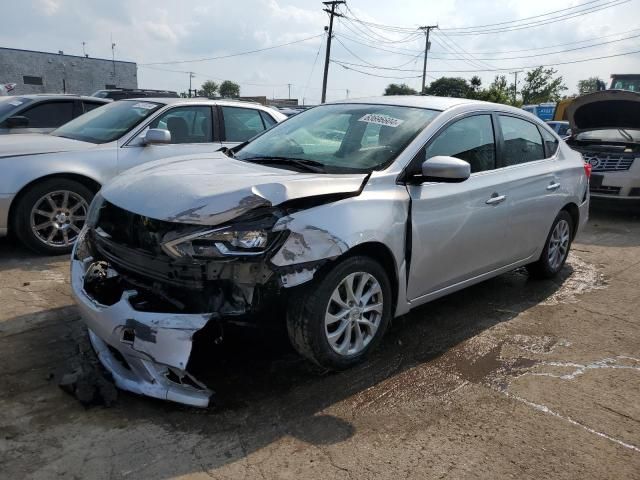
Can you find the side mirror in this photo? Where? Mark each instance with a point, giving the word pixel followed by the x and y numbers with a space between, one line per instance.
pixel 445 169
pixel 17 122
pixel 157 136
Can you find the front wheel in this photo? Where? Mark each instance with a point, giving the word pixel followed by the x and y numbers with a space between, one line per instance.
pixel 556 249
pixel 50 215
pixel 342 316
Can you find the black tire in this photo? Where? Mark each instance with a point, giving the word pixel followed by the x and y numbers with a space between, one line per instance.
pixel 543 267
pixel 308 306
pixel 22 216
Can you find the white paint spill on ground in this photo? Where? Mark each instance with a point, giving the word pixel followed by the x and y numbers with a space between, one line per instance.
pixel 584 279
pixel 579 369
pixel 548 411
pixel 537 344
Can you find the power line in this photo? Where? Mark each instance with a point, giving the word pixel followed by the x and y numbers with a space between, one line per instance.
pixel 475 27
pixel 373 64
pixel 548 21
pixel 313 67
pixel 248 52
pixel 373 74
pixel 501 69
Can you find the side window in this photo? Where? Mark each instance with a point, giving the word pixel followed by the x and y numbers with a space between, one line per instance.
pixel 550 143
pixel 186 124
pixel 49 114
pixel 88 106
pixel 267 119
pixel 241 124
pixel 522 141
pixel 470 139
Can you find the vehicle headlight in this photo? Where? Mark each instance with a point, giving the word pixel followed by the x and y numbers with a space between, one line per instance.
pixel 218 243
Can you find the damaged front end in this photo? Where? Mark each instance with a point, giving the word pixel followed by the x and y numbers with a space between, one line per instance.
pixel 150 291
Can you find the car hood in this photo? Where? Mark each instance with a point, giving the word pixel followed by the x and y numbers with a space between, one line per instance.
pixel 213 189
pixel 604 110
pixel 37 144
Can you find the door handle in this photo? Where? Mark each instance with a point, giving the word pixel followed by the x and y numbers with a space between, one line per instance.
pixel 553 186
pixel 496 199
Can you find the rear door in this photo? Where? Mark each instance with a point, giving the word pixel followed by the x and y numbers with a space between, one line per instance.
pixel 46 116
pixel 459 229
pixel 239 124
pixel 535 193
pixel 192 131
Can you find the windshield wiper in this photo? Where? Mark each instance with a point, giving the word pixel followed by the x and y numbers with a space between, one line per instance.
pixel 625 134
pixel 304 164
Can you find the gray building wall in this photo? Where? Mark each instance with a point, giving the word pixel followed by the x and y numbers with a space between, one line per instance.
pixel 63 73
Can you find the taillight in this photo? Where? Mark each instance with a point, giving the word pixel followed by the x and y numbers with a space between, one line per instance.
pixel 587 170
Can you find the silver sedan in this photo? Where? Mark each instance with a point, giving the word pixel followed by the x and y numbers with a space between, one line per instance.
pixel 346 215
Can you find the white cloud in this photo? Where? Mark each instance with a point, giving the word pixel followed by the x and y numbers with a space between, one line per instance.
pixel 49 7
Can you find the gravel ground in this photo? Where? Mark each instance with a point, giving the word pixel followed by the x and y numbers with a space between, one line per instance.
pixel 510 378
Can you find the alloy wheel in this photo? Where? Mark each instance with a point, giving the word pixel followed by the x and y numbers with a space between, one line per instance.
pixel 354 313
pixel 57 218
pixel 559 244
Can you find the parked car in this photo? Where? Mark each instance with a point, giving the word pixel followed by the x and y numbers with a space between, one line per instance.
pixel 43 113
pixel 605 129
pixel 418 197
pixel 48 181
pixel 123 93
pixel 560 127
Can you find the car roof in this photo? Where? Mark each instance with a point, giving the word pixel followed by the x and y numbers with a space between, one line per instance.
pixel 57 96
pixel 437 103
pixel 201 101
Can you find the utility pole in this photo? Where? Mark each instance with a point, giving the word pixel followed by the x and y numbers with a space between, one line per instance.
pixel 191 75
pixel 332 13
pixel 289 85
pixel 84 53
pixel 347 93
pixel 427 30
pixel 515 84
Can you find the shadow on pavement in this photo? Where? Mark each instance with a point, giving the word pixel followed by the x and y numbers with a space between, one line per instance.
pixel 265 390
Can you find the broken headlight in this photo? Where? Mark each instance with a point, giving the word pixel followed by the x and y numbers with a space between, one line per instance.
pixel 220 242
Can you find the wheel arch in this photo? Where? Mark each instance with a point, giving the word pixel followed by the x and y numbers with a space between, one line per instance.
pixel 381 253
pixel 88 182
pixel 573 210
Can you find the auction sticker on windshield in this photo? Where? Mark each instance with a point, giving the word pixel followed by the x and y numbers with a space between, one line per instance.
pixel 379 119
pixel 15 103
pixel 146 106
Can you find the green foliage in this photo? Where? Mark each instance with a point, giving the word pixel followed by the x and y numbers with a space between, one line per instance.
pixel 399 89
pixel 591 84
pixel 499 91
pixel 450 87
pixel 208 89
pixel 229 89
pixel 541 85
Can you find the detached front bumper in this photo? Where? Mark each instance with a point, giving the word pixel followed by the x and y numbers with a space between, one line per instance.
pixel 146 352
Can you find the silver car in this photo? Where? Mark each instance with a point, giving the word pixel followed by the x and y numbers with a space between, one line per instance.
pixel 42 112
pixel 48 181
pixel 337 220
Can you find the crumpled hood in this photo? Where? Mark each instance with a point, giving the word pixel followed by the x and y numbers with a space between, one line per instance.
pixel 37 143
pixel 213 189
pixel 604 110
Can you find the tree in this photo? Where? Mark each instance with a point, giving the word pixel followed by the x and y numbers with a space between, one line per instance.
pixel 449 87
pixel 209 89
pixel 498 92
pixel 541 86
pixel 591 84
pixel 399 89
pixel 475 86
pixel 229 89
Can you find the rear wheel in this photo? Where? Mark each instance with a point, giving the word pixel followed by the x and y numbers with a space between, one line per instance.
pixel 51 214
pixel 556 248
pixel 341 317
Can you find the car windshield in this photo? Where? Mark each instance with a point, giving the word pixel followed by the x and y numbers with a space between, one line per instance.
pixel 611 135
pixel 107 123
pixel 8 105
pixel 338 138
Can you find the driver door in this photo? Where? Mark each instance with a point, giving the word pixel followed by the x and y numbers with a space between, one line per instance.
pixel 192 132
pixel 458 229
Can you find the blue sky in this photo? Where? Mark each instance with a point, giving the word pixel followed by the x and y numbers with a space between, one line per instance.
pixel 148 31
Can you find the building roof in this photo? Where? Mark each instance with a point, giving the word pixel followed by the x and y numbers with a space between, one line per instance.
pixel 65 55
pixel 55 96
